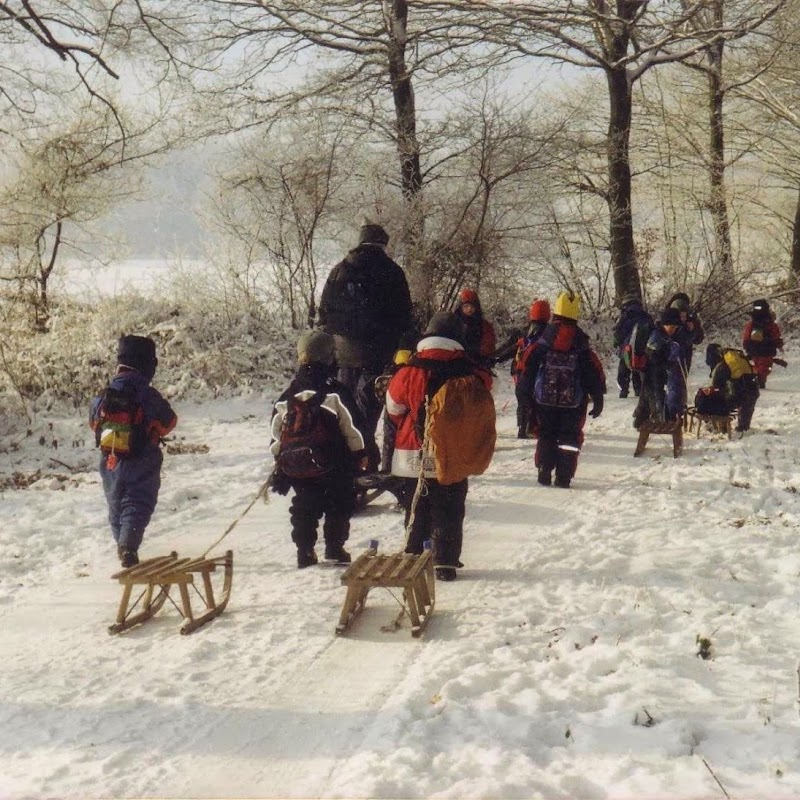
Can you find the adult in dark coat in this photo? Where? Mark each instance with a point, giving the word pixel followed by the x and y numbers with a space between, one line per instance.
pixel 366 307
pixel 631 314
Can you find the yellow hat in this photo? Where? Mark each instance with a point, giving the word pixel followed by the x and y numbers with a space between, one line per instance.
pixel 568 305
pixel 402 357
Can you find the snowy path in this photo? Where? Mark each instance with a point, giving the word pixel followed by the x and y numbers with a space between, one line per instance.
pixel 562 663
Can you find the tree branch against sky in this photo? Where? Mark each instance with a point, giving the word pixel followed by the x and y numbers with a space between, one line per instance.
pixel 623 39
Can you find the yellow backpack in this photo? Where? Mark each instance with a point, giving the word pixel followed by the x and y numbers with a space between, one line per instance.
pixel 461 429
pixel 737 363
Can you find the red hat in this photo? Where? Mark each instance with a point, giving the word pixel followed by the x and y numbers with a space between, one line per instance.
pixel 468 296
pixel 540 311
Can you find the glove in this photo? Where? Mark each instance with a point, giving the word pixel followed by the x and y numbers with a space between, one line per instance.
pixel 597 406
pixel 279 482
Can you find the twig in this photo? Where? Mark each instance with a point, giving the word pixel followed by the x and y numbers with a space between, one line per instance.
pixel 713 775
pixel 798 687
pixel 61 463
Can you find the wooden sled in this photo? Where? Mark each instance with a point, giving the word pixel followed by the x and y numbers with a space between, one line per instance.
pixel 370 487
pixel 158 575
pixel 674 429
pixel 412 573
pixel 717 423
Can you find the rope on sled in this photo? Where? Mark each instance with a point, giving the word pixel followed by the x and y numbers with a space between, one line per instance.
pixel 240 517
pixel 422 487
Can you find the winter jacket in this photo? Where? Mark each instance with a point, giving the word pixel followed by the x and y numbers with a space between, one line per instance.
pixel 159 417
pixel 632 314
pixel 480 340
pixel 366 306
pixel 436 357
pixel 564 335
pixel 665 370
pixel 761 336
pixel 313 378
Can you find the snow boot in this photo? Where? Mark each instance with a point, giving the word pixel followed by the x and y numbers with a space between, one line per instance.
pixel 445 573
pixel 129 558
pixel 545 477
pixel 306 558
pixel 337 553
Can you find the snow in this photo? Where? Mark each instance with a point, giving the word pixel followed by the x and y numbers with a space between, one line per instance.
pixel 563 662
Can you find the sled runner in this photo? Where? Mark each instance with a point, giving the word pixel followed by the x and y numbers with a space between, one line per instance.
pixel 674 429
pixel 718 423
pixel 372 486
pixel 156 576
pixel 412 573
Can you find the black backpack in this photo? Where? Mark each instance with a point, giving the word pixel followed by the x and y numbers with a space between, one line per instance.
pixel 310 439
pixel 120 425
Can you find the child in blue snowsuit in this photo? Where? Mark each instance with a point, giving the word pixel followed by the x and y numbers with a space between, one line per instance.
pixel 663 396
pixel 131 482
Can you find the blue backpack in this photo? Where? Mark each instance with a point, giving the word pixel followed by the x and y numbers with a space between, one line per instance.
pixel 558 380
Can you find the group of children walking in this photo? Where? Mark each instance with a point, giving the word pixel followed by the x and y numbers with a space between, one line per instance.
pixel 320 434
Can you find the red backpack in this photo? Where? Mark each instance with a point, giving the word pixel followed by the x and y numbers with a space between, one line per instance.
pixel 119 424
pixel 310 439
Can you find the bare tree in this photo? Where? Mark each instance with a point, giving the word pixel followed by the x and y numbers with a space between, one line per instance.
pixel 366 56
pixel 276 203
pixel 68 176
pixel 623 39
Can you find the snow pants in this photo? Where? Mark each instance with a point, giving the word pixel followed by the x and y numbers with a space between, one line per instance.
pixel 361 383
pixel 625 376
pixel 131 490
pixel 762 366
pixel 438 516
pixel 746 396
pixel 560 440
pixel 526 413
pixel 332 497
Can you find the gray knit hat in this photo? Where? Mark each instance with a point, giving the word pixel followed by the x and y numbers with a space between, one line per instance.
pixel 372 234
pixel 315 347
pixel 446 324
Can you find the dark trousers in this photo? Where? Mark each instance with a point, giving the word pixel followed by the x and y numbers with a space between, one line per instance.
pixel 438 516
pixel 526 412
pixel 361 382
pixel 131 491
pixel 334 498
pixel 560 440
pixel 746 396
pixel 626 375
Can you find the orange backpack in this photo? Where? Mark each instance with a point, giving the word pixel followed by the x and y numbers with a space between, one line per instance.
pixel 461 428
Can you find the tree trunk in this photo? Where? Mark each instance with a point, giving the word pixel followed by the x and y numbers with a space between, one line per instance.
pixel 623 250
pixel 722 279
pixel 795 265
pixel 419 280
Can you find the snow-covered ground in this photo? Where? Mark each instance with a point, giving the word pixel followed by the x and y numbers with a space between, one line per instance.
pixel 563 663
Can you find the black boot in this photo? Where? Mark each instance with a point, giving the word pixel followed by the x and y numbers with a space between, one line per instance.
pixel 128 558
pixel 306 558
pixel 545 477
pixel 337 553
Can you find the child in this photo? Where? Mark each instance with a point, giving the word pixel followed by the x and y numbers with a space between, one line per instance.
pixel 733 386
pixel 318 440
pixel 437 513
pixel 479 339
pixel 761 340
pixel 631 315
pixel 129 419
pixel 521 347
pixel 663 396
pixel 562 374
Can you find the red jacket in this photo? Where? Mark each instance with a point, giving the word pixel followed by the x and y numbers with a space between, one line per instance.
pixel 405 399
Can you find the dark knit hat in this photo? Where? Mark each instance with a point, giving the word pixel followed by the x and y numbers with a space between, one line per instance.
pixel 372 234
pixel 761 306
pixel 670 316
pixel 139 353
pixel 316 347
pixel 447 324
